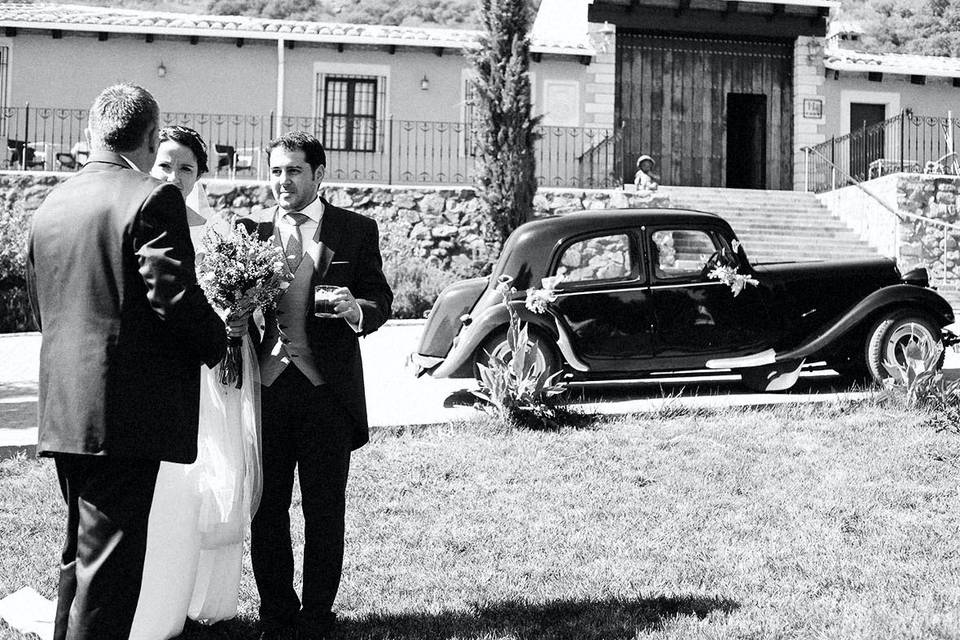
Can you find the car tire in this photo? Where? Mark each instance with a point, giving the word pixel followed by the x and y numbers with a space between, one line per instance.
pixel 547 362
pixel 891 332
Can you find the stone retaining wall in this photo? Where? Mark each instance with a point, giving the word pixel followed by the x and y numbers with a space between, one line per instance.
pixel 441 224
pixel 924 244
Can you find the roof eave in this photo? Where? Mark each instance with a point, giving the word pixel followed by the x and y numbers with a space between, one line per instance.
pixel 880 67
pixel 232 34
pixel 827 4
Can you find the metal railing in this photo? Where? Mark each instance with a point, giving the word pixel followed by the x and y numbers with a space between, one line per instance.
pixel 383 151
pixel 903 143
pixel 946 276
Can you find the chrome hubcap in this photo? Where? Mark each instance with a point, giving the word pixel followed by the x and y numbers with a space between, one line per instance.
pixel 502 351
pixel 902 336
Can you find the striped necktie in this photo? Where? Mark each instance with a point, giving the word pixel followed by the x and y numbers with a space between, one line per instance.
pixel 294 248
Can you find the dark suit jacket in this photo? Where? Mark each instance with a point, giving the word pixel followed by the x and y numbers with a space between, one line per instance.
pixel 125 325
pixel 351 241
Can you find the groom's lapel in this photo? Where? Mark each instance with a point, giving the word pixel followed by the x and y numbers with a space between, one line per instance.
pixel 328 239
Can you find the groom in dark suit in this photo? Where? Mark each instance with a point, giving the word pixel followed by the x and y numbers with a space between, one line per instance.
pixel 313 405
pixel 125 330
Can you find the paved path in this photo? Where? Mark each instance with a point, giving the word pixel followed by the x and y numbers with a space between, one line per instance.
pixel 396 398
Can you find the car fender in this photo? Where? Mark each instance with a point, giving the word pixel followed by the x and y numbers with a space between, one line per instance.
pixel 899 295
pixel 444 319
pixel 481 327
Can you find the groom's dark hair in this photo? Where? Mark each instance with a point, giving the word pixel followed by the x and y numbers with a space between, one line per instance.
pixel 120 116
pixel 301 141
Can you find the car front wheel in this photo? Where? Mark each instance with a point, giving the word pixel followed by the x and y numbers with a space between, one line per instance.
pixel 545 361
pixel 891 334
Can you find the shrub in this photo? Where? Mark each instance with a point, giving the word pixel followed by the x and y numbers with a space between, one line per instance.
pixel 919 383
pixel 15 314
pixel 415 283
pixel 510 384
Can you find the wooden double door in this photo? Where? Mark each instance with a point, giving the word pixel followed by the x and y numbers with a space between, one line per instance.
pixel 712 112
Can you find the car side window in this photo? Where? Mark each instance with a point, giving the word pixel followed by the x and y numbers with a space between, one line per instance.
pixel 680 253
pixel 598 258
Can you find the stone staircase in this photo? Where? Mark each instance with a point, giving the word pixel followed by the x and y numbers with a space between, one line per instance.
pixel 776 226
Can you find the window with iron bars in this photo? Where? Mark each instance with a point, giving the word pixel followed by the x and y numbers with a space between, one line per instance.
pixel 351 112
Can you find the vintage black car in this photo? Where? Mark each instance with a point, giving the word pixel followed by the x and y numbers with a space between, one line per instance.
pixel 637 297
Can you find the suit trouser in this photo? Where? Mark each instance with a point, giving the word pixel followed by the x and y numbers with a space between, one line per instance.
pixel 304 427
pixel 108 505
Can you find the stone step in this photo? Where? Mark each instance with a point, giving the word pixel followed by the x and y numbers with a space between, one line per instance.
pixel 786 223
pixel 767 211
pixel 777 226
pixel 741 194
pixel 783 255
pixel 779 233
pixel 794 248
pixel 684 201
pixel 841 235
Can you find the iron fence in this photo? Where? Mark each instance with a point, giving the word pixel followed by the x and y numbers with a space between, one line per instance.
pixel 905 142
pixel 390 151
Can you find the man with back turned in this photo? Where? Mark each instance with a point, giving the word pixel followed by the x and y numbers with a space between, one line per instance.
pixel 125 329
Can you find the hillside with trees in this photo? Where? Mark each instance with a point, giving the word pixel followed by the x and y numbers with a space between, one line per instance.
pixel 447 13
pixel 437 13
pixel 929 27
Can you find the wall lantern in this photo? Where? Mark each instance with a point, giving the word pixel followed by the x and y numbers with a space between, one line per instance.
pixel 424 83
pixel 161 70
pixel 606 33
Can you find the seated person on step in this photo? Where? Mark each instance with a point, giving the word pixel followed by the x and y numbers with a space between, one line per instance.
pixel 645 178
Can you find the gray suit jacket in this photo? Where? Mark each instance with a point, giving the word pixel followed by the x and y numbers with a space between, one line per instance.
pixel 125 326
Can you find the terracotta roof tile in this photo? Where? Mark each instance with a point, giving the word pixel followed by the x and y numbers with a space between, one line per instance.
pixel 52 16
pixel 892 63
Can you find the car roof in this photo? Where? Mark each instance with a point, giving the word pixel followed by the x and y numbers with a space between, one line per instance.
pixel 530 245
pixel 608 218
pixel 564 225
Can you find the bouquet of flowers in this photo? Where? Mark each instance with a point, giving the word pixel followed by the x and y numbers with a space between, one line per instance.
pixel 239 273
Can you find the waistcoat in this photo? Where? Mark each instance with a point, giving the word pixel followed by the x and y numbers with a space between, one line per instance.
pixel 285 334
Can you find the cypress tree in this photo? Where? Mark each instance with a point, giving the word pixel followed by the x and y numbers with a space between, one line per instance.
pixel 503 124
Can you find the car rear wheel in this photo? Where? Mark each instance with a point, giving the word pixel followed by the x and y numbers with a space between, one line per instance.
pixel 889 336
pixel 545 361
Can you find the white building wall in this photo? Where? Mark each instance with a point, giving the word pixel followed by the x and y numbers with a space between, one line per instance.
pixel 601 79
pixel 216 76
pixel 809 102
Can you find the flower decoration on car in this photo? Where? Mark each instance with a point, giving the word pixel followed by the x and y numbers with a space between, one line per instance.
pixel 538 299
pixel 732 278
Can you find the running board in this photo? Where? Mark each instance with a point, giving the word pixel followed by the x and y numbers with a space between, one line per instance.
pixel 764 358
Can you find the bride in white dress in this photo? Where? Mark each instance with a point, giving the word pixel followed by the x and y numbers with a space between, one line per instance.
pixel 201 511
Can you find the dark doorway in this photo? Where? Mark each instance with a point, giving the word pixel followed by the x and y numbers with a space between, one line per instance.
pixel 866 141
pixel 746 141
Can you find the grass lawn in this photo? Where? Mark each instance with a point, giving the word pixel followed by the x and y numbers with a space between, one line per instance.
pixel 813 521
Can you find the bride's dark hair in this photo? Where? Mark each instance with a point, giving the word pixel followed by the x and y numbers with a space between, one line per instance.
pixel 191 140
